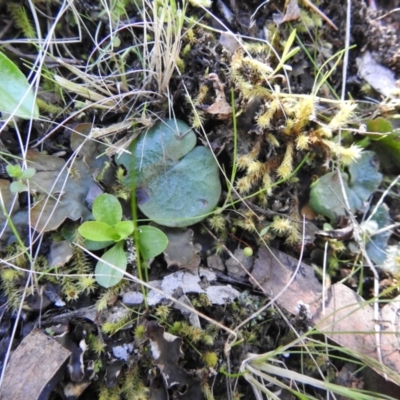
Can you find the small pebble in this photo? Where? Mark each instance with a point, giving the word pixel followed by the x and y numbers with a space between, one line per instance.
pixel 122 352
pixel 132 298
pixel 215 262
pixel 234 268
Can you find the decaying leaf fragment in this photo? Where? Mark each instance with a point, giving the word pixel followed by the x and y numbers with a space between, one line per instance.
pixel 35 367
pixel 382 79
pixel 60 253
pixel 181 253
pixel 59 194
pixel 62 188
pixel 342 314
pixel 292 13
pixel 76 366
pixel 229 41
pixel 221 108
pixel 113 370
pixel 92 154
pixel 166 351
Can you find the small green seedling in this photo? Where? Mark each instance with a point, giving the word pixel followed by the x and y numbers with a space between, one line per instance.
pixel 108 229
pixel 19 176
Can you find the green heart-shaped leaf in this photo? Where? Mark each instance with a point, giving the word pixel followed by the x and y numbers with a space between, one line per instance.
pixel 177 184
pixel 326 196
pixel 376 245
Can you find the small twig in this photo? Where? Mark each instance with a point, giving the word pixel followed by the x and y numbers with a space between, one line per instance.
pixel 388 13
pixel 385 229
pixel 80 313
pixel 270 213
pixel 324 276
pixel 51 62
pixel 320 13
pixel 6 28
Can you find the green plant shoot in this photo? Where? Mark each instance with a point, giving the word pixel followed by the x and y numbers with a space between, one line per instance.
pixel 108 229
pixel 19 175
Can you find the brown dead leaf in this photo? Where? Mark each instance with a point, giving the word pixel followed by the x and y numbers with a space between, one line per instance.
pixel 229 41
pixel 221 108
pixel 62 188
pixel 381 78
pixel 347 377
pixel 292 13
pixel 76 366
pixel 92 152
pixel 61 191
pixel 344 313
pixel 113 371
pixel 60 253
pixel 181 253
pixel 27 375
